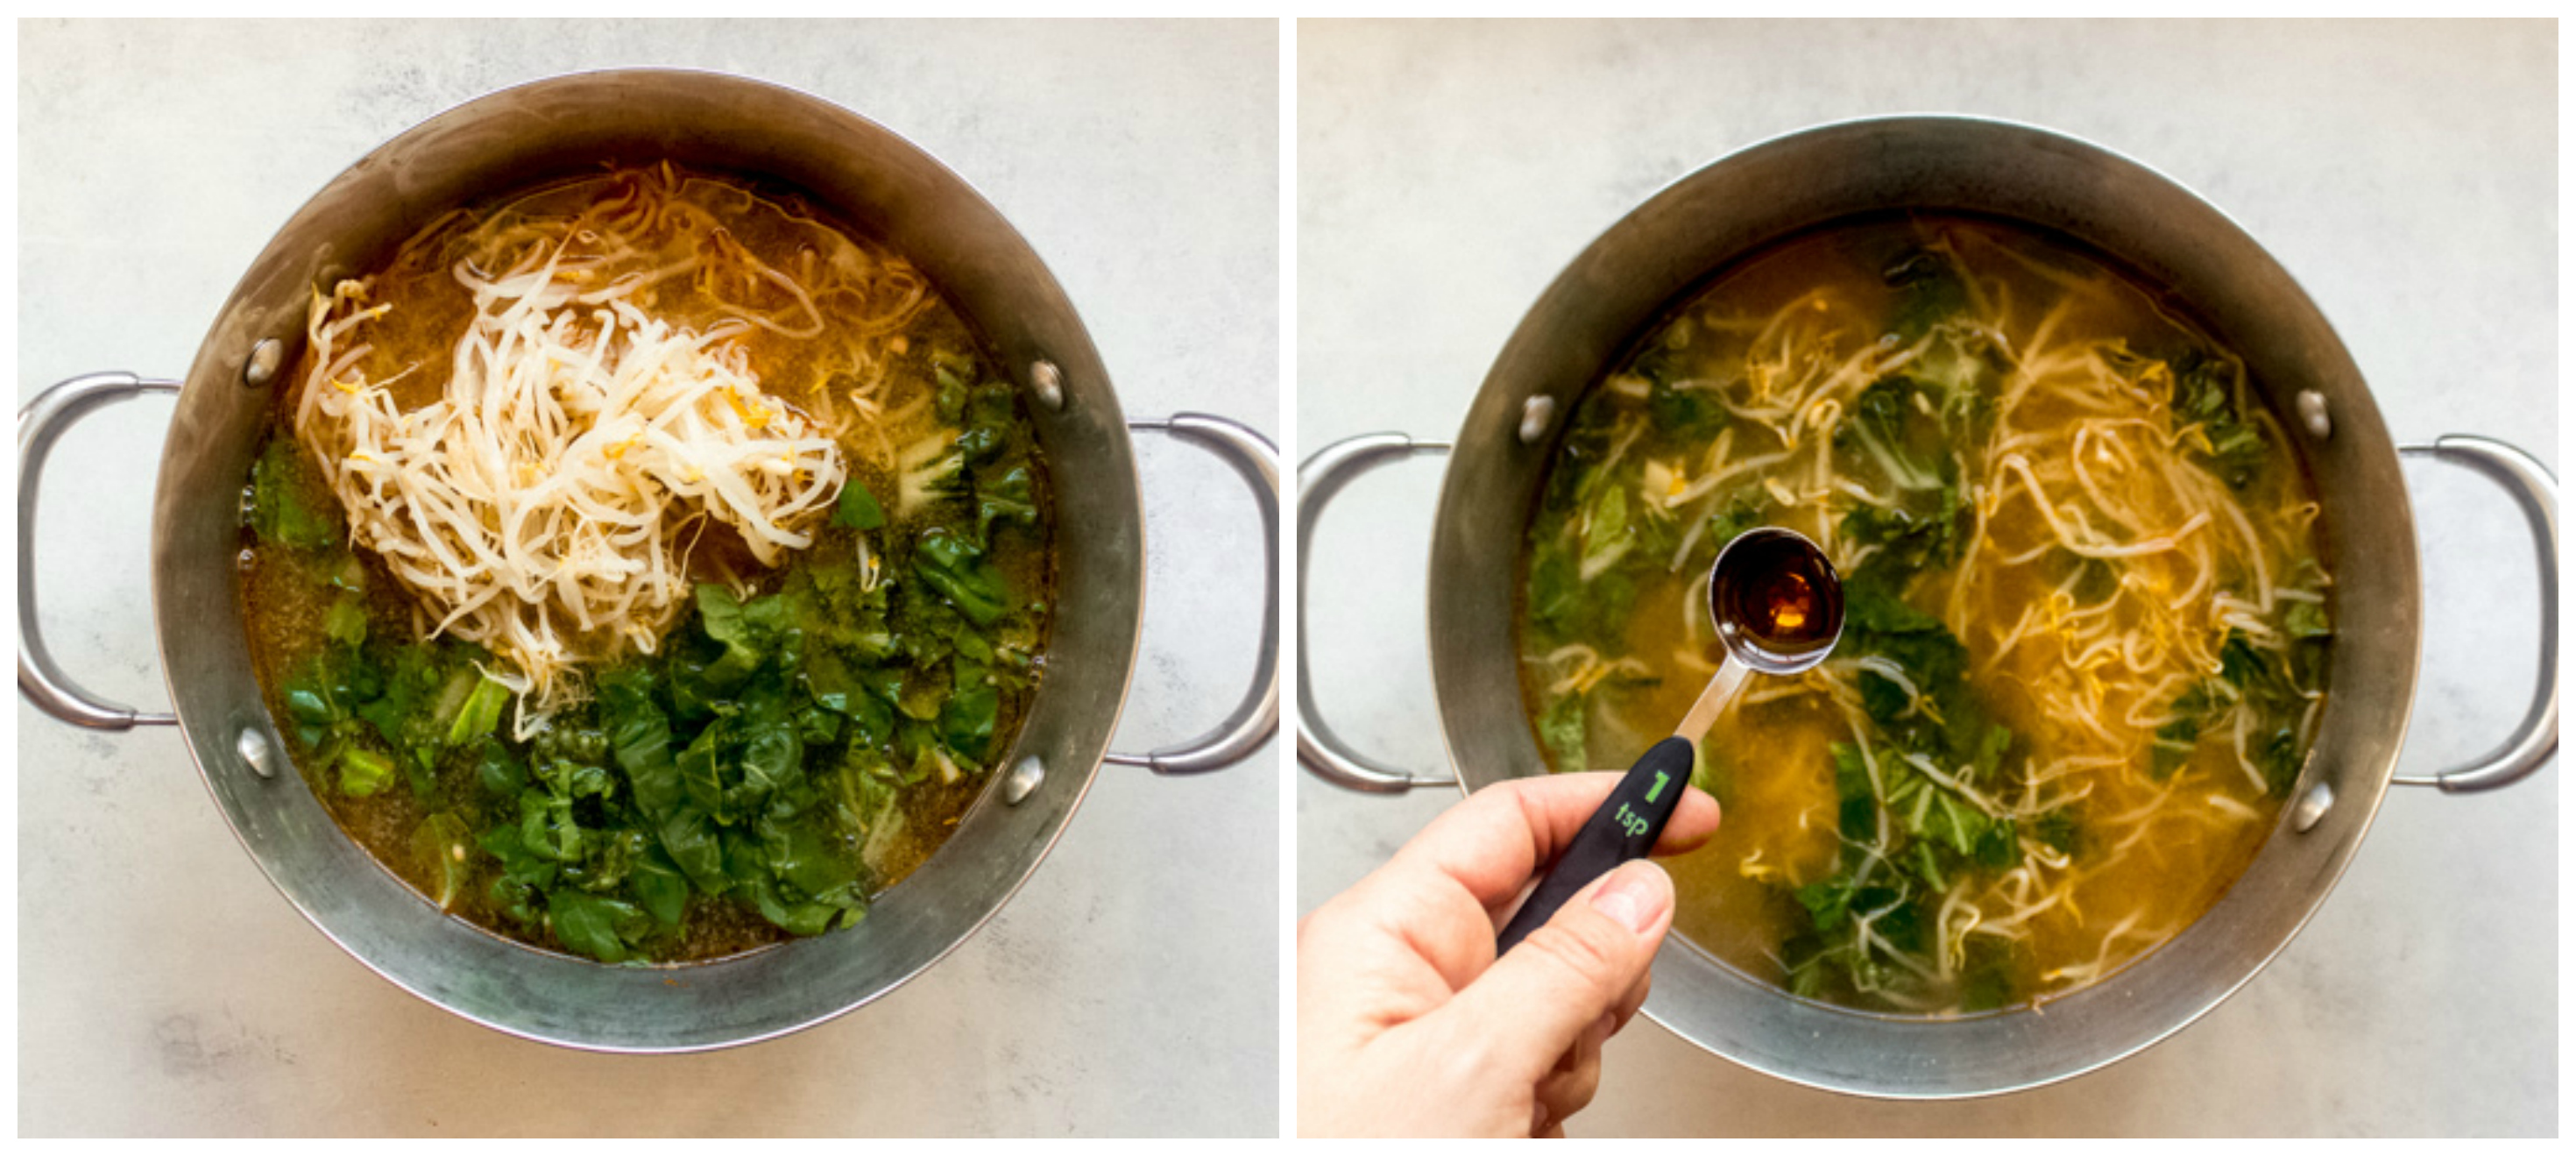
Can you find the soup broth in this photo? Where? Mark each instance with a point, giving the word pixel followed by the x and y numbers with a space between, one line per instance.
pixel 2086 620
pixel 752 670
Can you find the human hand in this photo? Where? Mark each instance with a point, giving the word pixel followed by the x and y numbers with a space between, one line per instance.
pixel 1408 1025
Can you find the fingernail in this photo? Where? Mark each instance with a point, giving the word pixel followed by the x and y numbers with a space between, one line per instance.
pixel 1634 896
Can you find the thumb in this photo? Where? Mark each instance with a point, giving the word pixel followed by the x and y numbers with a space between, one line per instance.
pixel 1575 969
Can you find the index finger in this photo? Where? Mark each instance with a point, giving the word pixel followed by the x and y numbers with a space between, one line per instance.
pixel 1493 843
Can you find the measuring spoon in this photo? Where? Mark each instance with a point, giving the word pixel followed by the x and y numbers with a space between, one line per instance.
pixel 1778 607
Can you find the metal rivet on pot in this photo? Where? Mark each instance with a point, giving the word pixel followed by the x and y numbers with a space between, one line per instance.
pixel 2312 807
pixel 1048 383
pixel 1024 780
pixel 264 360
pixel 2312 413
pixel 1536 414
pixel 255 750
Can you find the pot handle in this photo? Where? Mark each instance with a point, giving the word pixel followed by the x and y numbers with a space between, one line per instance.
pixel 2532 487
pixel 1323 475
pixel 1256 718
pixel 39 425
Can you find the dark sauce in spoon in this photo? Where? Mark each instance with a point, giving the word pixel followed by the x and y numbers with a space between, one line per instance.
pixel 1778 590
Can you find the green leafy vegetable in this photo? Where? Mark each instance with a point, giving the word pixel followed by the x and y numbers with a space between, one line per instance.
pixel 602 928
pixel 2209 393
pixel 2278 757
pixel 966 719
pixel 364 772
pixel 954 372
pixel 289 505
pixel 958 570
pixel 346 621
pixel 1006 497
pixel 1606 533
pixel 989 413
pixel 857 507
pixel 1858 817
pixel 480 713
pixel 2195 711
pixel 747 630
pixel 1929 290
pixel 1896 427
pixel 1688 414
pixel 1910 540
pixel 1742 512
pixel 2059 831
pixel 1560 729
pixel 500 773
pixel 661 888
pixel 1876 620
pixel 931 472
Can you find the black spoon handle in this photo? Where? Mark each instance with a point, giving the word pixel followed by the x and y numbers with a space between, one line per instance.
pixel 1625 828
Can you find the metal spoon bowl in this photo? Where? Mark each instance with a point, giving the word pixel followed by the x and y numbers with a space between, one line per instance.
pixel 1756 559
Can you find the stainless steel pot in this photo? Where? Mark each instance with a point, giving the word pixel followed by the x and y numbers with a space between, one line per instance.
pixel 505 141
pixel 1730 208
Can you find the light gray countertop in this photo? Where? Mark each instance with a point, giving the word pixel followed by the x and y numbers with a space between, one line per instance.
pixel 2406 174
pixel 1129 988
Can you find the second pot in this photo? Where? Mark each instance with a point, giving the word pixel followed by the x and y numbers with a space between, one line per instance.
pixel 1695 228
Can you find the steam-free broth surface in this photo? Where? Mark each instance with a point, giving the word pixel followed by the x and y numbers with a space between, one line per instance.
pixel 646 566
pixel 2086 621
